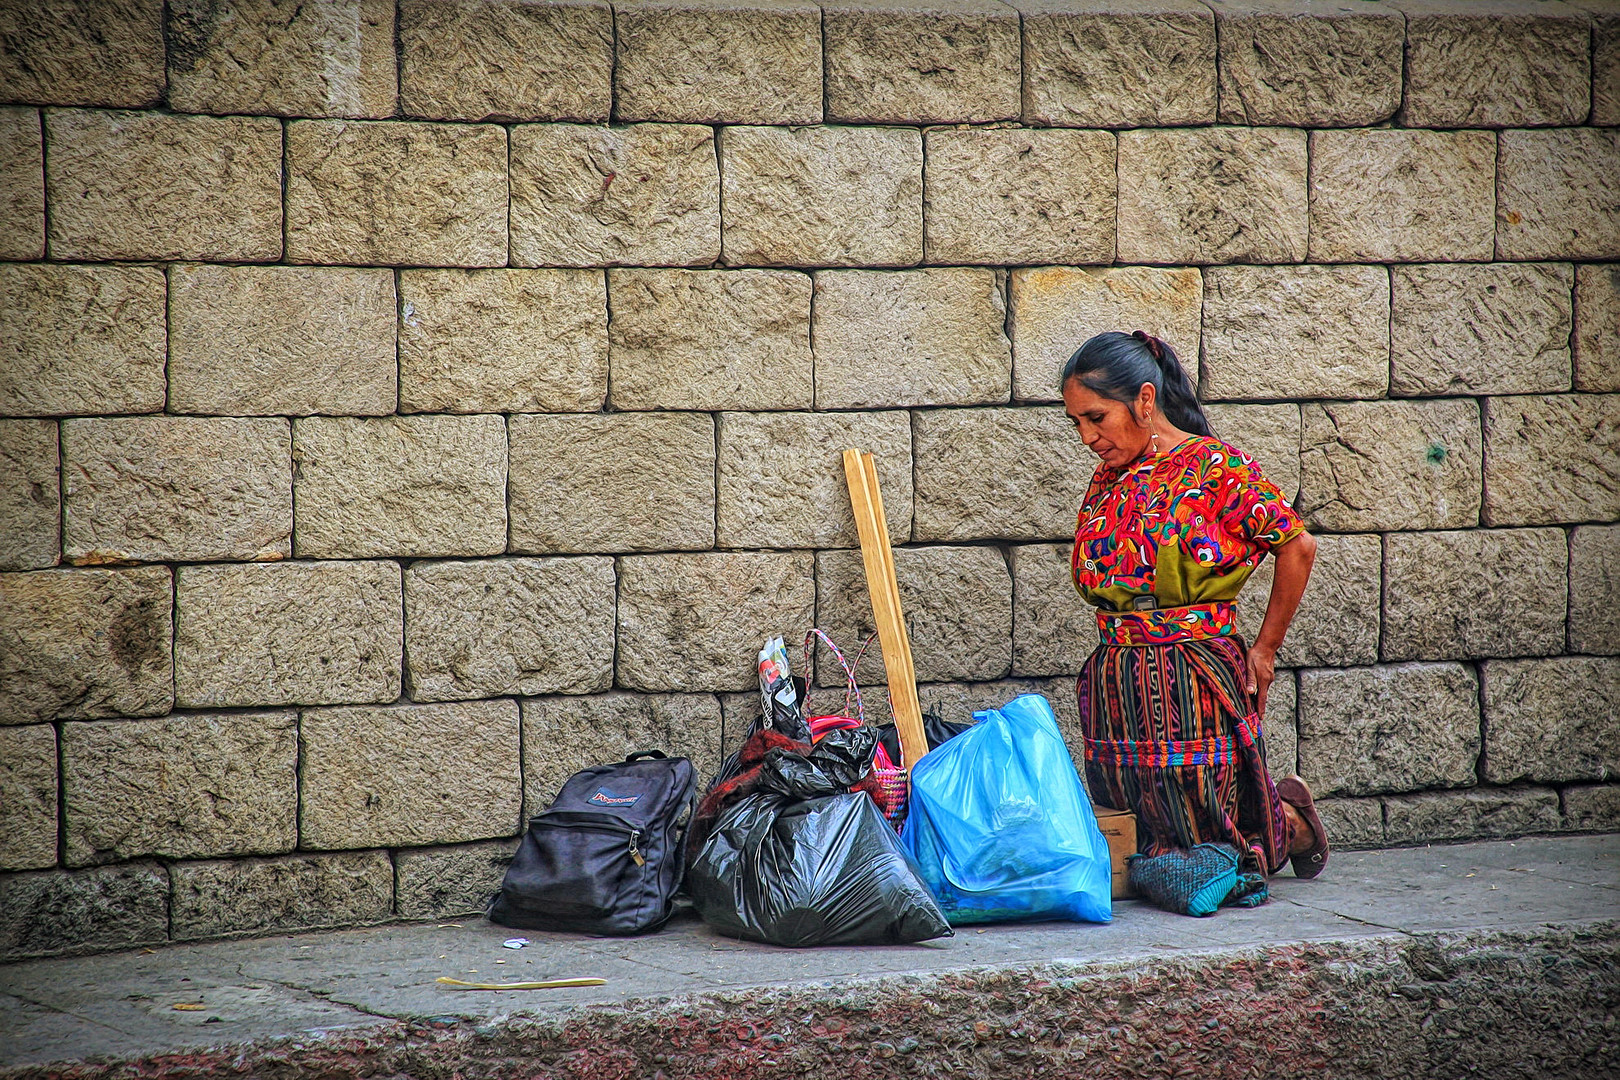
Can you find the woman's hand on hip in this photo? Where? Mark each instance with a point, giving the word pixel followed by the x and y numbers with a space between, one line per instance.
pixel 1262 665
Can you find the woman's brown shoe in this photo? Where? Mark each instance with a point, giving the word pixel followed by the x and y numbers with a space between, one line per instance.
pixel 1308 863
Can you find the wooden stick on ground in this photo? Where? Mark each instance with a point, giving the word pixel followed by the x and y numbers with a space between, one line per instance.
pixel 860 470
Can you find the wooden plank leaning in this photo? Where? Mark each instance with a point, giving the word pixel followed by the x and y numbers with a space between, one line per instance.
pixel 860 471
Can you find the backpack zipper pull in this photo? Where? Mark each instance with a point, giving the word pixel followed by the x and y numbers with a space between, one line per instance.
pixel 635 852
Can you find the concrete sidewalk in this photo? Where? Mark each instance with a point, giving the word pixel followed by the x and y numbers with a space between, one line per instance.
pixel 354 988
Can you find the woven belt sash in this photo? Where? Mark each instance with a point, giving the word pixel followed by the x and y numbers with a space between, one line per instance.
pixel 1216 750
pixel 1166 626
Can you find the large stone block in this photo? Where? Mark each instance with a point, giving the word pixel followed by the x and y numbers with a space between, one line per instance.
pixel 618 482
pixel 1280 730
pixel 146 185
pixel 180 787
pixel 281 57
pixel 1486 814
pixel 1434 608
pixel 821 196
pixel 295 633
pixel 509 626
pixel 27 797
pixel 1019 195
pixel 405 485
pixel 1212 195
pixel 112 907
pixel 1369 465
pixel 1605 61
pixel 718 61
pixel 1597 326
pixel 1296 332
pixel 82 52
pixel 78 644
pixel 1498 63
pixel 506 60
pixel 640 195
pixel 1550 460
pixel 228 897
pixel 1592 807
pixel 781 477
pixel 1308 65
pixel 487 341
pixel 157 488
pixel 1118 63
pixel 1056 308
pixel 1352 823
pixel 886 339
pixel 22 185
pixel 1388 195
pixel 1558 194
pixel 947 62
pixel 1267 433
pixel 958 604
pixel 396 193
pixel 562 735
pixel 263 340
pixel 81 340
pixel 1053 629
pixel 1594 589
pixel 709 339
pixel 30 494
pixel 1008 474
pixel 1501 328
pixel 1401 728
pixel 1338 618
pixel 432 883
pixel 694 622
pixel 1552 720
pixel 406 775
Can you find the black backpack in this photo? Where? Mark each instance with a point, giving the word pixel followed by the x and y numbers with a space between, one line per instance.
pixel 606 857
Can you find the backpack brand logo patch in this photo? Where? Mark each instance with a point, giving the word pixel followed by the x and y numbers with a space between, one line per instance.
pixel 604 797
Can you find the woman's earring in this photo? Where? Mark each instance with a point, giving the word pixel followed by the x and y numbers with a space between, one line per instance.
pixel 1154 439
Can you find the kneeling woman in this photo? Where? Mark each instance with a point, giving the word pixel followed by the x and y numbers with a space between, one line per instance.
pixel 1172 525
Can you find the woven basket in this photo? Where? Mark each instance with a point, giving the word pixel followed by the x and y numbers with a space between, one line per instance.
pixel 891 778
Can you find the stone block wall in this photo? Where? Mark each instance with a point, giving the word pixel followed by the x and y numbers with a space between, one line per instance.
pixel 404 403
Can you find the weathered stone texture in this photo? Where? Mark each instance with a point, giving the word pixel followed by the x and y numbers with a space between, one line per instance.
pixel 1296 332
pixel 1281 727
pixel 562 735
pixel 30 494
pixel 396 193
pixel 27 797
pixel 1489 813
pixel 1435 609
pixel 1267 433
pixel 267 340
pixel 1118 64
pixel 1019 195
pixel 82 52
pixel 1056 308
pixel 300 892
pixel 620 482
pixel 1352 823
pixel 1592 807
pixel 1502 328
pixel 1337 621
pixel 1558 194
pixel 1308 65
pixel 282 57
pixel 155 488
pixel 1499 63
pixel 506 60
pixel 694 622
pixel 1008 474
pixel 304 633
pixel 718 61
pixel 409 774
pixel 1594 589
pixel 709 339
pixel 180 787
pixel 1400 728
pixel 22 185
pixel 822 196
pixel 946 62
pixel 1552 459
pixel 509 626
pixel 79 644
pixel 112 907
pixel 1376 465
pixel 1388 195
pixel 1605 61
pixel 1552 720
pixel 781 477
pixel 641 195
pixel 436 882
pixel 1212 195
pixel 485 341
pixel 145 185
pixel 1053 629
pixel 406 485
pixel 81 339
pixel 958 604
pixel 1597 326
pixel 912 337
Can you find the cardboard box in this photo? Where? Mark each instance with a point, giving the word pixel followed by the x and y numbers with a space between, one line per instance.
pixel 1119 829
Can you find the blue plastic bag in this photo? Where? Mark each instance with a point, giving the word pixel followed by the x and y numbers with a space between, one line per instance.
pixel 1002 829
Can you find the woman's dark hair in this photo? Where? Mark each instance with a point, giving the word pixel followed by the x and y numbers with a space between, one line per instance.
pixel 1116 365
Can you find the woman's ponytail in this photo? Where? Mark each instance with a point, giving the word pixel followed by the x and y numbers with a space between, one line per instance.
pixel 1176 395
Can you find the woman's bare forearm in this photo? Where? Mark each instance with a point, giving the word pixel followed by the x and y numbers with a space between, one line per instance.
pixel 1294 560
